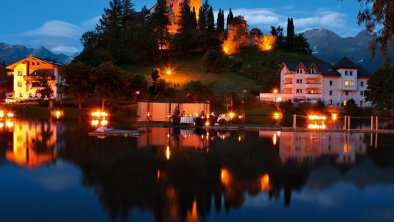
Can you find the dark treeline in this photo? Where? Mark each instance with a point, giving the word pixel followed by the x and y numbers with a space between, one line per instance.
pixel 125 36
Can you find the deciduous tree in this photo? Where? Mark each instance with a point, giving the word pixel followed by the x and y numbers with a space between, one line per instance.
pixel 378 17
pixel 381 88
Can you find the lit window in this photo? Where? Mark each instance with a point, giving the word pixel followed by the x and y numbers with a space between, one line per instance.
pixel 349 83
pixel 19 73
pixel 19 84
pixel 345 103
pixel 20 95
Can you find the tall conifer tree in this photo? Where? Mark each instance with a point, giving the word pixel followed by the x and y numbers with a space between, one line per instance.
pixel 210 21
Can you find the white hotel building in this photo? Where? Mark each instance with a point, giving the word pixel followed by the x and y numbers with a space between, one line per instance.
pixel 310 82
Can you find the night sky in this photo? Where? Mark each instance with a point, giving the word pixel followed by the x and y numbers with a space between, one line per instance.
pixel 58 25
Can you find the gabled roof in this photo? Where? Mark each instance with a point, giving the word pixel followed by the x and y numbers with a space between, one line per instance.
pixel 323 68
pixel 12 66
pixel 345 62
pixel 326 69
pixel 291 65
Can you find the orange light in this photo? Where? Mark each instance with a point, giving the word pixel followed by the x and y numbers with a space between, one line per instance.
pixel 1 114
pixel 9 124
pixel 168 153
pixel 275 91
pixel 265 182
pixel 10 115
pixel 317 126
pixel 207 123
pixel 275 139
pixel 225 176
pixel 334 117
pixel 1 125
pixel 95 123
pixel 158 174
pixel 316 117
pixel 169 71
pixel 104 122
pixel 231 115
pixel 266 42
pixel 277 115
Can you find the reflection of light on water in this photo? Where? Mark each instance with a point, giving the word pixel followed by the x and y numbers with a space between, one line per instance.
pixel 274 139
pixel 168 153
pixel 9 124
pixel 225 176
pixel 316 126
pixel 265 182
pixel 158 174
pixel 192 216
pixel 34 144
pixel 347 148
pixel 95 123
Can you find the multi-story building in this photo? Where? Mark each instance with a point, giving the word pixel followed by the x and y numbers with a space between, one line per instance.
pixel 310 82
pixel 27 73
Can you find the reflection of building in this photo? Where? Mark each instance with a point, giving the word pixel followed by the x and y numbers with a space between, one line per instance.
pixel 173 138
pixel 309 146
pixel 28 73
pixel 34 143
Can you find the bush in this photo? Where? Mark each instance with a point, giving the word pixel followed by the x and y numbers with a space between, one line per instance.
pixel 214 61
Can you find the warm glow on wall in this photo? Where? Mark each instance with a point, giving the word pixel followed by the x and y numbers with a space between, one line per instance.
pixel 266 42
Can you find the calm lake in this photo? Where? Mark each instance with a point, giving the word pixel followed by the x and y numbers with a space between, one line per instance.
pixel 53 171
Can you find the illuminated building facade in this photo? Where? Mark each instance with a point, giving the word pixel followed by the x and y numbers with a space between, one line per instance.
pixel 310 82
pixel 27 72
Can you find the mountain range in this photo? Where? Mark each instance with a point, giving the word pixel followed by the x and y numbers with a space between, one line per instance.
pixel 13 53
pixel 331 47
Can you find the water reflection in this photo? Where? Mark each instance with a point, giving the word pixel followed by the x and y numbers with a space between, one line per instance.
pixel 310 146
pixel 188 175
pixel 33 143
